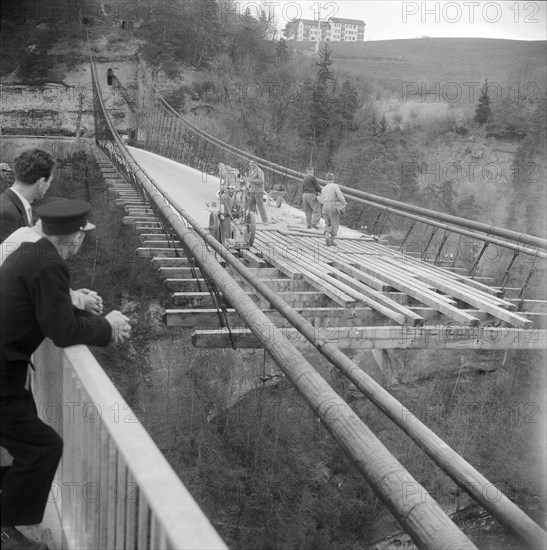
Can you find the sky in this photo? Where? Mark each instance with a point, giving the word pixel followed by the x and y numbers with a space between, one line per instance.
pixel 390 20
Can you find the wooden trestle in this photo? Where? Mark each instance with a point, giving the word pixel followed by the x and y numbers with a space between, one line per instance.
pixel 360 294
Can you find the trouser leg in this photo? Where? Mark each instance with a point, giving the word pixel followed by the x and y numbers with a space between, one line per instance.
pixel 36 449
pixel 335 222
pixel 316 212
pixel 252 203
pixel 259 199
pixel 308 207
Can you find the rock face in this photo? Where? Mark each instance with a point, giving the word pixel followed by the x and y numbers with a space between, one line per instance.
pixel 65 103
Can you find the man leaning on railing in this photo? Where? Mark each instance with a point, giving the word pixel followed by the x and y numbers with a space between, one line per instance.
pixel 35 303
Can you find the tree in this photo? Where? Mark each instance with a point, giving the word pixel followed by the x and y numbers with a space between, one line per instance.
pixel 348 104
pixel 468 208
pixel 483 111
pixel 323 102
pixel 325 75
pixel 282 53
pixel 447 196
pixel 289 32
pixel 529 201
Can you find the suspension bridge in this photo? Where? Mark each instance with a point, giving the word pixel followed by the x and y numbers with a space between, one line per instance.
pixel 289 294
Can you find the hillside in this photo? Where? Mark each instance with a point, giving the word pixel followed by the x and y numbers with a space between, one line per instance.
pixel 443 60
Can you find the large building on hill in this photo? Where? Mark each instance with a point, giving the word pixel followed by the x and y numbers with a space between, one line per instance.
pixel 335 29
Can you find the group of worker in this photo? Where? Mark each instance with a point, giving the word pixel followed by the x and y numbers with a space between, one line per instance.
pixel 327 201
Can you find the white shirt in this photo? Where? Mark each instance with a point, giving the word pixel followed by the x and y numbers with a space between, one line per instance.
pixel 331 193
pixel 26 205
pixel 16 239
pixel 32 235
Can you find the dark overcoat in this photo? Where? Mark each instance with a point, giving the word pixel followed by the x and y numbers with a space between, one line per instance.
pixel 34 304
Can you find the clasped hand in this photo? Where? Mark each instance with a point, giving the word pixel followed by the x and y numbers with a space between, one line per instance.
pixel 121 329
pixel 93 303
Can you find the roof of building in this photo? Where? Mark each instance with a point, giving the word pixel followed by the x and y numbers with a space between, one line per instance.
pixel 347 21
pixel 314 23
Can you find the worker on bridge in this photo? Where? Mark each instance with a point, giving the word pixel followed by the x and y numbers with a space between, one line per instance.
pixel 255 179
pixel 334 203
pixel 310 191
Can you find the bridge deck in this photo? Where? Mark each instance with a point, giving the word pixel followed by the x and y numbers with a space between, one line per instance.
pixel 362 293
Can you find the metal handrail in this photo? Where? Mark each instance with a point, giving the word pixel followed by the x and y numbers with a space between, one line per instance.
pixel 114 488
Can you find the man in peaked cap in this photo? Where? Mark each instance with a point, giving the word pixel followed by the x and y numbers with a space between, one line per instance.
pixel 35 303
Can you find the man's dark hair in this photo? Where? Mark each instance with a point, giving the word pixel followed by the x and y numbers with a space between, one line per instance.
pixel 33 164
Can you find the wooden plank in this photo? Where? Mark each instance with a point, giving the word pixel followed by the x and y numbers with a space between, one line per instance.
pixel 294 299
pixel 284 266
pixel 153 252
pixel 388 337
pixel 143 237
pixel 161 244
pixel 277 285
pixel 176 272
pixel 421 267
pixel 320 316
pixel 484 302
pixel 149 230
pixel 267 272
pixel 433 278
pixel 358 291
pixel 252 258
pixel 370 297
pixel 421 294
pixel 128 220
pixel 281 285
pixel 185 285
pixel 160 261
pixel 332 270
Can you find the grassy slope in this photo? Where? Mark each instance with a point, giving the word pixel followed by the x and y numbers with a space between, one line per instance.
pixel 460 60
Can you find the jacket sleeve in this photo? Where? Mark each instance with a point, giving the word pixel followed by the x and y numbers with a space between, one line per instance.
pixel 55 314
pixel 340 196
pixel 316 185
pixel 9 222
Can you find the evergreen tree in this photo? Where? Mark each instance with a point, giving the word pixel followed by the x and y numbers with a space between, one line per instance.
pixel 374 125
pixel 468 208
pixel 325 75
pixel 447 196
pixel 382 126
pixel 323 103
pixel 483 111
pixel 529 200
pixel 289 32
pixel 282 53
pixel 348 104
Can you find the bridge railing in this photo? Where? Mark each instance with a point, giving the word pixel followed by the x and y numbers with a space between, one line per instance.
pixel 114 488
